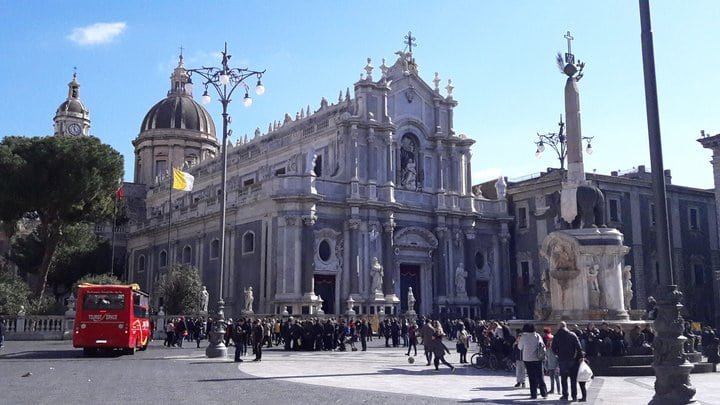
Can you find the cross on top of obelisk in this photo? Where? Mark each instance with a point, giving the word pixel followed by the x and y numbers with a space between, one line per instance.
pixel 569 57
pixel 409 41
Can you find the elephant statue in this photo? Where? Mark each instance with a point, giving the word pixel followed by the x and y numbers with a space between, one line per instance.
pixel 590 208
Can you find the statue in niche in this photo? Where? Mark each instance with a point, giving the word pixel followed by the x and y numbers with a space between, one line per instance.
pixel 204 299
pixel 460 276
pixel 376 273
pixel 594 286
pixel 411 299
pixel 627 287
pixel 249 299
pixel 410 175
pixel 408 166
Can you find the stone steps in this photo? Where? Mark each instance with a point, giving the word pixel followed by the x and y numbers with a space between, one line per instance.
pixel 640 365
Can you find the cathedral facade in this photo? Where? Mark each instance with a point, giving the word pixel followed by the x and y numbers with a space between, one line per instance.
pixel 313 201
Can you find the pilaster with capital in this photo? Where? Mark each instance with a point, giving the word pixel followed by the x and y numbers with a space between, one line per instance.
pixel 505 282
pixel 371 156
pixel 308 254
pixel 441 261
pixel 388 257
pixel 354 227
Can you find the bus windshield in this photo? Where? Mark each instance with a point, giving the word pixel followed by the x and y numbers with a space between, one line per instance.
pixel 100 301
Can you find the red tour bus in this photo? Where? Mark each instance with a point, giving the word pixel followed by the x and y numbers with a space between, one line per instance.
pixel 111 317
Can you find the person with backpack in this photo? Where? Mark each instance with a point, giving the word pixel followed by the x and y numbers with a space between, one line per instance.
pixel 533 353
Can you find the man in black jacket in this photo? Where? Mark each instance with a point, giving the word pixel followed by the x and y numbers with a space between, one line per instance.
pixel 567 347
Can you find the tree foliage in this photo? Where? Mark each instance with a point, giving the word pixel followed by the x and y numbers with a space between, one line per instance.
pixel 14 292
pixel 180 289
pixel 104 279
pixel 63 180
pixel 79 254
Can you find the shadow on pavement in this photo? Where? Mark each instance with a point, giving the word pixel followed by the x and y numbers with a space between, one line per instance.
pixel 48 355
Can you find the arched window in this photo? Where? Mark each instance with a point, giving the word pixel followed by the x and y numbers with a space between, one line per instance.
pixel 248 243
pixel 141 263
pixel 163 258
pixel 215 249
pixel 187 254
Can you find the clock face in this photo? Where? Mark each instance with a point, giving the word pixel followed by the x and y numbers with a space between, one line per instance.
pixel 74 129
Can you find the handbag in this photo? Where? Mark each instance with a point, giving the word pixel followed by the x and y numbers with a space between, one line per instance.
pixel 584 372
pixel 540 351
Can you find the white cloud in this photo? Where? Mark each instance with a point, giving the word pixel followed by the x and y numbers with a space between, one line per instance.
pixel 97 34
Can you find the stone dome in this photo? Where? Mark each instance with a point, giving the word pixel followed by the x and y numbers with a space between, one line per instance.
pixel 71 105
pixel 178 111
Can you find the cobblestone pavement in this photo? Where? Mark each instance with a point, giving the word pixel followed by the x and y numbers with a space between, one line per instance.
pixel 60 374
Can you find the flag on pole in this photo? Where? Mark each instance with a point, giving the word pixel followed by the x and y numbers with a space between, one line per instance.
pixel 120 193
pixel 182 181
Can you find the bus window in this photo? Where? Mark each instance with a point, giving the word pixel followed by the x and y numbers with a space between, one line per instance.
pixel 98 301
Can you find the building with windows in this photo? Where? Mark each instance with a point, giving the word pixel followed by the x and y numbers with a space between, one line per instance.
pixel 629 207
pixel 381 173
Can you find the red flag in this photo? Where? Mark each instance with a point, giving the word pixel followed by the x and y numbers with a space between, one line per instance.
pixel 120 194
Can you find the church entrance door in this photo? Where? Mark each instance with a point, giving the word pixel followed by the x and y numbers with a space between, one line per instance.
pixel 410 277
pixel 325 288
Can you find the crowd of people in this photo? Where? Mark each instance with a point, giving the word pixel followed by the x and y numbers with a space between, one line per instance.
pixel 562 358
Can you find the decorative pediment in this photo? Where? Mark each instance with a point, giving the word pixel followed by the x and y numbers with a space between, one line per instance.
pixel 415 238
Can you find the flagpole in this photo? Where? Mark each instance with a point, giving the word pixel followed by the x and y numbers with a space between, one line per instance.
pixel 112 244
pixel 172 180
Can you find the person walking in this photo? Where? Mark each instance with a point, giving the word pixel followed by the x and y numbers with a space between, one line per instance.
pixel 412 338
pixel 427 332
pixel 551 365
pixel 531 344
pixel 516 355
pixel 566 346
pixel 2 332
pixel 238 334
pixel 363 332
pixel 258 332
pixel 169 334
pixel 439 350
pixel 463 342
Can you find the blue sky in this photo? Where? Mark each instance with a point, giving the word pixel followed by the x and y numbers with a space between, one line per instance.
pixel 499 54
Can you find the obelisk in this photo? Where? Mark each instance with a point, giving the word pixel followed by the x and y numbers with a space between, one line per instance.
pixel 573 133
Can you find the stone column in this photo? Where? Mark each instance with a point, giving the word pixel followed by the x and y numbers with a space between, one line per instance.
pixel 388 257
pixel 505 276
pixel 371 157
pixel 308 255
pixel 354 274
pixel 442 263
pixel 440 170
pixel 468 173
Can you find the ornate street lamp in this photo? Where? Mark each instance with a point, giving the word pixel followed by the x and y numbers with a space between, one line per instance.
pixel 224 80
pixel 558 142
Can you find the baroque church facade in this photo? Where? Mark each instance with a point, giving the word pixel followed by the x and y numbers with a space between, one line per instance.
pixel 380 174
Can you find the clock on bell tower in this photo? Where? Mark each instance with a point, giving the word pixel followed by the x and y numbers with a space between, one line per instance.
pixel 72 118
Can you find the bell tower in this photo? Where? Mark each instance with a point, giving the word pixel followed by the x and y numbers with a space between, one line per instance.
pixel 72 118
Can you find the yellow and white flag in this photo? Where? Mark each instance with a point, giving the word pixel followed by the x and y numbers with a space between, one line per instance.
pixel 182 181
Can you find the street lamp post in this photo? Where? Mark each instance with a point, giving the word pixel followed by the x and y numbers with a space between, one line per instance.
pixel 558 142
pixel 224 80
